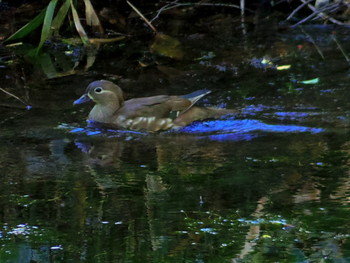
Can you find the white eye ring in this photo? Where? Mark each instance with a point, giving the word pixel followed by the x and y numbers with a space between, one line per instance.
pixel 98 89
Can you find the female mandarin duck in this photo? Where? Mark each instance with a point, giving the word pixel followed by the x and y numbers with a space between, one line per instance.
pixel 157 113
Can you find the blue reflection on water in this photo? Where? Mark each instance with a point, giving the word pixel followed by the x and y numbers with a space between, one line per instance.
pixel 295 115
pixel 238 130
pixel 233 137
pixel 243 126
pixel 225 129
pixel 83 146
pixel 76 130
pixel 94 128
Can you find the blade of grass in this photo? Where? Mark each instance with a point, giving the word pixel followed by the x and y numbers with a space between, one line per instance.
pixel 142 16
pixel 28 28
pixel 78 26
pixel 60 16
pixel 46 30
pixel 91 16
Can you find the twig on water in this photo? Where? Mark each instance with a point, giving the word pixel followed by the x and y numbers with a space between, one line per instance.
pixel 176 4
pixel 17 98
pixel 313 42
pixel 341 49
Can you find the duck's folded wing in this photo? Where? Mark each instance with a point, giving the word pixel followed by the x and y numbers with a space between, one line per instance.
pixel 157 106
pixel 150 113
pixel 156 113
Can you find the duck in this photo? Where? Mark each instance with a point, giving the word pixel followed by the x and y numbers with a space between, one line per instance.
pixel 152 114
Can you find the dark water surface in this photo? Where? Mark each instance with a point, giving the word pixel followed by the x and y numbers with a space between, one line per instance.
pixel 272 185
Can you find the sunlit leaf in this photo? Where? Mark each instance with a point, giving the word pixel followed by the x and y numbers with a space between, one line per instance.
pixel 310 81
pixel 105 40
pixel 167 46
pixel 78 26
pixel 28 28
pixel 283 67
pixel 60 16
pixel 72 41
pixel 266 61
pixel 91 16
pixel 77 41
pixel 15 44
pixel 45 32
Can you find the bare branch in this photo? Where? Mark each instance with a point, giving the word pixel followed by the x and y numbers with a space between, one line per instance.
pixel 176 4
pixel 341 49
pixel 297 9
pixel 313 42
pixel 320 14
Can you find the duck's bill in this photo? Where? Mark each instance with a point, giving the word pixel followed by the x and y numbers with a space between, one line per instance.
pixel 82 99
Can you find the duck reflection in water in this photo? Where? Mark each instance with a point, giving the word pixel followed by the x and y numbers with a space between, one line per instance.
pixel 184 153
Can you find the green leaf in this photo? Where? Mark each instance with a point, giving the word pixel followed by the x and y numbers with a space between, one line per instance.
pixel 46 30
pixel 60 16
pixel 266 61
pixel 28 28
pixel 310 81
pixel 44 61
pixel 78 26
pixel 167 46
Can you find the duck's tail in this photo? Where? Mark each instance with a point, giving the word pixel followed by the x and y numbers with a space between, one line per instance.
pixel 197 95
pixel 194 97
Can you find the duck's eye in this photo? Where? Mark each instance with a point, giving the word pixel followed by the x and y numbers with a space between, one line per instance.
pixel 98 90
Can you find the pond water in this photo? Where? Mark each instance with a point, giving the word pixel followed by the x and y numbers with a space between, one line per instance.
pixel 269 185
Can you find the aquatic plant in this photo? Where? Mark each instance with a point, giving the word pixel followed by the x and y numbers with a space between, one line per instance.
pixel 52 22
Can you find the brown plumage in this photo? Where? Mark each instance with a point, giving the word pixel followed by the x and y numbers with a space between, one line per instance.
pixel 150 113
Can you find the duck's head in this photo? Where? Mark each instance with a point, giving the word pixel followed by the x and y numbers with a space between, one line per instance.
pixel 102 92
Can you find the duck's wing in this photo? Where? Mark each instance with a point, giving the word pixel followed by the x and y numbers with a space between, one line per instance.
pixel 150 113
pixel 156 106
pixel 157 112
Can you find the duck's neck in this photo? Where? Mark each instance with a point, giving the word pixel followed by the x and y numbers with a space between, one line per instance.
pixel 103 112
